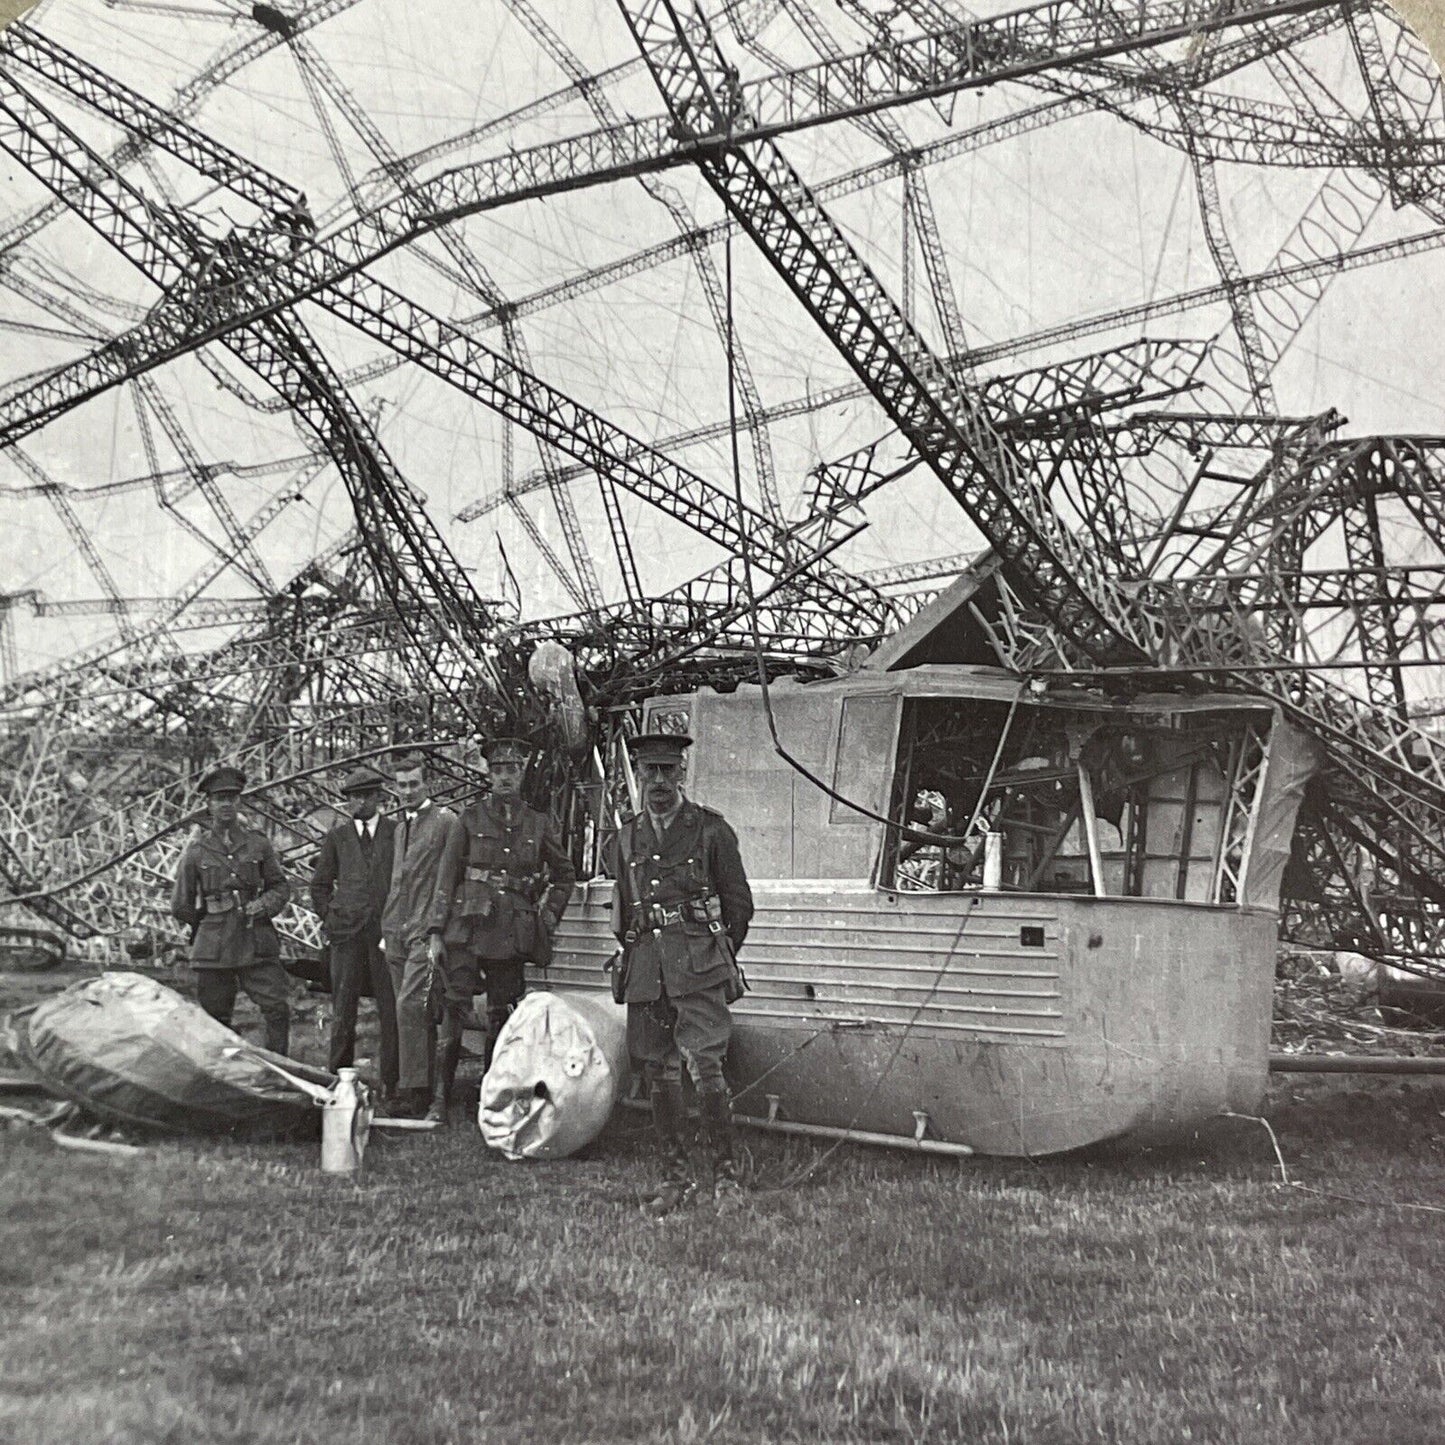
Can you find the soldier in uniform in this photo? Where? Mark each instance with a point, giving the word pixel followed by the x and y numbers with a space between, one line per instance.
pixel 681 911
pixel 229 887
pixel 508 881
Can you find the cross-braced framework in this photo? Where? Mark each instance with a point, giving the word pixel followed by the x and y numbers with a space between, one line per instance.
pixel 851 390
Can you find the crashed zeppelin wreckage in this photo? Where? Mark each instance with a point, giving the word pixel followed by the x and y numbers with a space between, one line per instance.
pixel 1024 893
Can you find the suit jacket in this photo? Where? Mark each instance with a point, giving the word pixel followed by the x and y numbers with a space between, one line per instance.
pixel 348 889
pixel 697 859
pixel 416 903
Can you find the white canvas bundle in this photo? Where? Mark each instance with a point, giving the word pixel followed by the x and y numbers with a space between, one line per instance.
pixel 559 1067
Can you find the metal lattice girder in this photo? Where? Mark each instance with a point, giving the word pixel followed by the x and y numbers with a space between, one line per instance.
pixel 929 570
pixel 1142 432
pixel 946 425
pixel 1376 610
pixel 1264 332
pixel 712 283
pixel 1042 402
pixel 23 691
pixel 532 481
pixel 204 481
pixel 1335 475
pixel 1304 277
pixel 472 274
pixel 1345 898
pixel 24 45
pixel 1141 89
pixel 464 362
pixel 139 843
pixel 891 167
pixel 1408 180
pixel 278 270
pixel 919 217
pixel 184 103
pixel 712 609
pixel 1244 779
pixel 16 880
pixel 1015 44
pixel 554 418
pixel 1252 44
pixel 420 563
pixel 1321 268
pixel 78 534
pixel 777 210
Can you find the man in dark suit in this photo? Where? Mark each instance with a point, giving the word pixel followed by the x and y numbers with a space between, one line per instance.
pixel 348 892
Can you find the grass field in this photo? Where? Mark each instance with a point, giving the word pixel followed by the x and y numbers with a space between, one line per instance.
pixel 215 1292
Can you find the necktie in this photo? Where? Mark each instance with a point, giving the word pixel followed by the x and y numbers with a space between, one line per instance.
pixel 366 839
pixel 406 823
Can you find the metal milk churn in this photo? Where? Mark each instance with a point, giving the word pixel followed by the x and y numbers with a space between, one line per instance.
pixel 993 860
pixel 345 1122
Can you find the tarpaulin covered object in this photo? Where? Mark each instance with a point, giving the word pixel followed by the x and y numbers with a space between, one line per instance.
pixel 558 1069
pixel 134 1051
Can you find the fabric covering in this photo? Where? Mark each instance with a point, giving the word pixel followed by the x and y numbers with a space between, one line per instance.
pixel 130 1049
pixel 1293 757
pixel 559 1066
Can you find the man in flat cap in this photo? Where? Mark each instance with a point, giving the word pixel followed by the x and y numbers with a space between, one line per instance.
pixel 411 926
pixel 229 887
pixel 507 882
pixel 681 911
pixel 348 891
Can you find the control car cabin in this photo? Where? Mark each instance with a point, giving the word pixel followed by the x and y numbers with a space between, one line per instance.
pixel 1064 931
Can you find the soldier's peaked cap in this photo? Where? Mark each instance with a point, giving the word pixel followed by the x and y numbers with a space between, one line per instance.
pixel 658 747
pixel 509 750
pixel 362 780
pixel 222 779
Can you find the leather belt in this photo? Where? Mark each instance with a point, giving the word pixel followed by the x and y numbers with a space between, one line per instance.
pixel 509 881
pixel 221 902
pixel 655 916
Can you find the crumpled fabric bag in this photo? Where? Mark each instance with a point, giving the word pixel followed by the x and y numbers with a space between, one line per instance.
pixel 135 1052
pixel 559 1067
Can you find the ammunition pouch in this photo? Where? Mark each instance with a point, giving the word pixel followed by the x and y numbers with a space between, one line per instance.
pixel 617 969
pixel 476 898
pixel 699 917
pixel 736 983
pixel 696 916
pixel 481 888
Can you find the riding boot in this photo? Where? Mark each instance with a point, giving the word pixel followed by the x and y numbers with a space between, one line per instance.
pixel 278 1033
pixel 668 1121
pixel 719 1146
pixel 496 1017
pixel 448 1056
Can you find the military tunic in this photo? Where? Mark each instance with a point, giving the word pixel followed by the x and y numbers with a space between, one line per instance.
pixel 681 910
pixel 219 874
pixel 507 880
pixel 216 878
pixel 677 949
pixel 508 874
